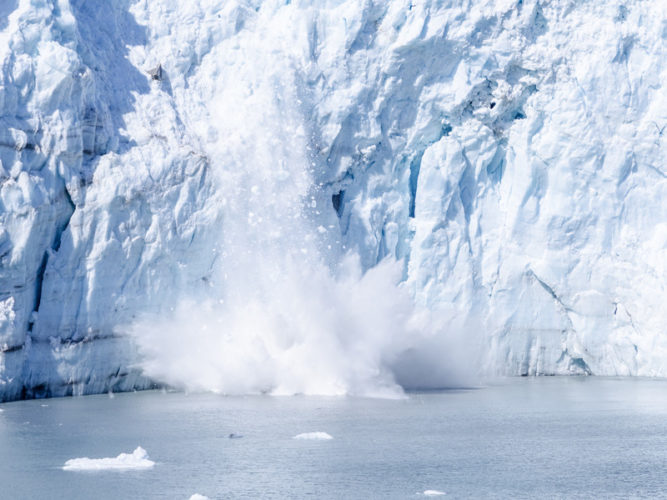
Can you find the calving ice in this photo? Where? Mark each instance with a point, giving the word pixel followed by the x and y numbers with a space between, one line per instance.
pixel 328 198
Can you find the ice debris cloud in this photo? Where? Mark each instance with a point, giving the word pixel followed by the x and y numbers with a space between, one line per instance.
pixel 306 332
pixel 488 179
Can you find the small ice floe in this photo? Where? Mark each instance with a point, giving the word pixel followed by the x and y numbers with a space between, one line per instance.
pixel 433 493
pixel 314 435
pixel 197 496
pixel 138 459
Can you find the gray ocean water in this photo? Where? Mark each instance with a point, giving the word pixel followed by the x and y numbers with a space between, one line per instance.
pixel 516 438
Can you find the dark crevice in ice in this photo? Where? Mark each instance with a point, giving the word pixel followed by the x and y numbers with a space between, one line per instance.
pixel 55 246
pixel 38 286
pixel 578 364
pixel 337 200
pixel 13 348
pixel 415 166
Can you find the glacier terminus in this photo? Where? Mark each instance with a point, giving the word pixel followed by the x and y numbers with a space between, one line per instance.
pixel 329 197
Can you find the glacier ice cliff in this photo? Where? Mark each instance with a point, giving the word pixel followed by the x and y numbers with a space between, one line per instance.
pixel 509 154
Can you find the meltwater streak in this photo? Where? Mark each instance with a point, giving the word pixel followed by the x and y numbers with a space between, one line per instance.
pixel 286 310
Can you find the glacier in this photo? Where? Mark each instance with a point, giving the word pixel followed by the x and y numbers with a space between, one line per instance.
pixel 304 182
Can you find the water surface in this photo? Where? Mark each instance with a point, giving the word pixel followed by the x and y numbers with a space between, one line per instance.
pixel 516 438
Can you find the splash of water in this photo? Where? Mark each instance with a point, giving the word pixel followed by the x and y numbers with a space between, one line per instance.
pixel 310 332
pixel 288 310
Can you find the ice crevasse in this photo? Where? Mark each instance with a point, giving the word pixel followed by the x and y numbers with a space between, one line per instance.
pixel 509 155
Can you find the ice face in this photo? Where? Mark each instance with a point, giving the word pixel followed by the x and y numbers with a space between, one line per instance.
pixel 509 156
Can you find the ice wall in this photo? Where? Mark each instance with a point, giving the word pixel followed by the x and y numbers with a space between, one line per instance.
pixel 96 222
pixel 509 153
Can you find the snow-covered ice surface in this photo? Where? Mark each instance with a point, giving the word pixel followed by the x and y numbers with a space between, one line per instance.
pixel 138 459
pixel 321 436
pixel 215 224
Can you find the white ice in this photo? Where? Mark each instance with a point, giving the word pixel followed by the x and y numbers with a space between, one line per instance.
pixel 138 459
pixel 322 436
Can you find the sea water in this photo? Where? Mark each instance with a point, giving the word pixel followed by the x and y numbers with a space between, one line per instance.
pixel 513 438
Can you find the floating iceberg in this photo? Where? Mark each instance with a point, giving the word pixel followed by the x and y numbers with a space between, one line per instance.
pixel 322 436
pixel 138 459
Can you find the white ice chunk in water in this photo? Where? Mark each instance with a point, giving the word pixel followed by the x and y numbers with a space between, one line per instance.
pixel 433 493
pixel 197 496
pixel 138 459
pixel 322 436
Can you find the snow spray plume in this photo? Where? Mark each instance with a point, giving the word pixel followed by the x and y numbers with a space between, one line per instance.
pixel 288 310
